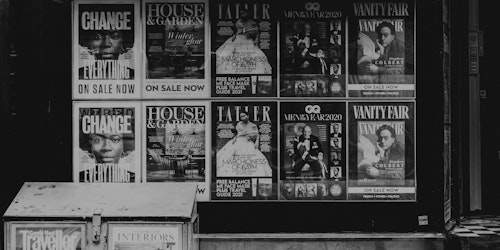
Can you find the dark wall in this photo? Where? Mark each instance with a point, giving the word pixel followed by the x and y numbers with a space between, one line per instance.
pixel 5 125
pixel 459 106
pixel 490 134
pixel 39 135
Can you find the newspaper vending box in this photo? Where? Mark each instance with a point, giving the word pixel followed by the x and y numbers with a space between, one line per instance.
pixel 75 216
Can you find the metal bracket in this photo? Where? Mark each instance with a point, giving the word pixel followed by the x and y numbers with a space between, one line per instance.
pixel 96 227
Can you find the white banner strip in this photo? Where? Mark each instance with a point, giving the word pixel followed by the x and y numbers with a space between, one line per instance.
pixel 381 190
pixel 386 87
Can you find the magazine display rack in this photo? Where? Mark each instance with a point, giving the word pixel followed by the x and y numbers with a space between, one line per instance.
pixel 67 216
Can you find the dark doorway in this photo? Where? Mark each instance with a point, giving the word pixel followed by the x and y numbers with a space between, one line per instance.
pixel 490 104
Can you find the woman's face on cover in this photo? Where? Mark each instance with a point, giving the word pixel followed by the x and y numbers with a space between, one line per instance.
pixel 107 44
pixel 107 147
pixel 243 117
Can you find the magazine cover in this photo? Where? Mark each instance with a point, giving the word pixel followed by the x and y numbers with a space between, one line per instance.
pixel 243 48
pixel 106 49
pixel 175 41
pixel 176 143
pixel 145 237
pixel 244 152
pixel 382 151
pixel 313 155
pixel 106 142
pixel 381 56
pixel 47 236
pixel 312 49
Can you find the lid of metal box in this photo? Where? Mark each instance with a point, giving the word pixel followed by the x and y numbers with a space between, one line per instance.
pixel 83 200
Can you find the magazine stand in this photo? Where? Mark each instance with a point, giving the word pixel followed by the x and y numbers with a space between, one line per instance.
pixel 102 216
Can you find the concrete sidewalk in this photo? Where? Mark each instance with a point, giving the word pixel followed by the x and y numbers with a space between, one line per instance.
pixel 476 232
pixel 303 241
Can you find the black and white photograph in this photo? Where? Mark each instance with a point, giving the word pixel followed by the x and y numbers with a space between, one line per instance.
pixel 231 124
pixel 243 48
pixel 381 59
pixel 106 50
pixel 381 139
pixel 309 157
pixel 176 45
pixel 244 166
pixel 175 145
pixel 106 142
pixel 310 38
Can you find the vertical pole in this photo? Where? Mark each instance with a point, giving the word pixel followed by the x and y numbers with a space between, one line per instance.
pixel 474 120
pixel 5 119
pixel 4 65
